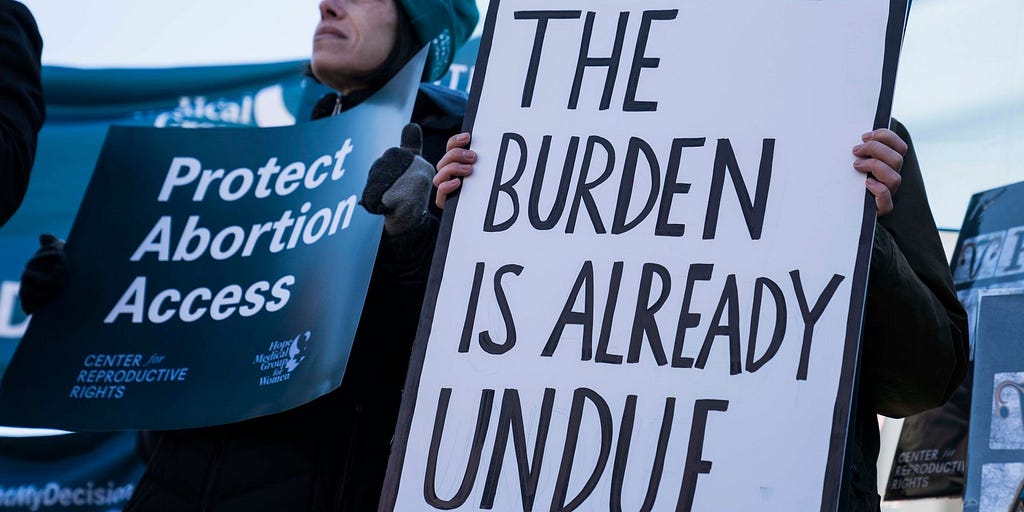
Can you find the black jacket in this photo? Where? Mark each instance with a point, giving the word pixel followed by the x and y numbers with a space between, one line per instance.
pixel 330 454
pixel 21 102
pixel 915 347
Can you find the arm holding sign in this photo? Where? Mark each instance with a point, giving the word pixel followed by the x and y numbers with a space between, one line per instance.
pixel 399 188
pixel 915 330
pixel 21 103
pixel 914 348
pixel 45 275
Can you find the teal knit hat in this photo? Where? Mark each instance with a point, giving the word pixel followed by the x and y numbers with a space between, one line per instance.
pixel 446 24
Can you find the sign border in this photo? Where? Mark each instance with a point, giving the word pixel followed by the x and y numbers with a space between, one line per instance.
pixel 843 416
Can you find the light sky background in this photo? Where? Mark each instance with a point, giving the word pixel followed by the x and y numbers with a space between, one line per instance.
pixel 960 88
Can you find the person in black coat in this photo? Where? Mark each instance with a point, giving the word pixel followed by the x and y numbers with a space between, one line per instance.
pixel 21 102
pixel 331 454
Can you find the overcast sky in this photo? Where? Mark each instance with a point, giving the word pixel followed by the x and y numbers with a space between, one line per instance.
pixel 148 33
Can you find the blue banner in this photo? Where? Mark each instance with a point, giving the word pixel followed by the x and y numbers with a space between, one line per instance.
pixel 82 104
pixel 93 472
pixel 216 275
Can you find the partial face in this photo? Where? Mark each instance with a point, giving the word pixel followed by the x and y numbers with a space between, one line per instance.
pixel 354 37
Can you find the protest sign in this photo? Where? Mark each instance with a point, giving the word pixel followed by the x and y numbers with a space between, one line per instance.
pixel 989 254
pixel 215 275
pixel 86 472
pixel 81 104
pixel 649 295
pixel 995 460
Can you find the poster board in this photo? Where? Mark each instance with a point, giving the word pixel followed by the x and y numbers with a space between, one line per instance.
pixel 655 183
pixel 989 254
pixel 214 275
pixel 995 458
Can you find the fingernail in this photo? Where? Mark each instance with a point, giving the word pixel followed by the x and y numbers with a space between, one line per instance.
pixel 866 136
pixel 469 154
pixel 858 147
pixel 462 136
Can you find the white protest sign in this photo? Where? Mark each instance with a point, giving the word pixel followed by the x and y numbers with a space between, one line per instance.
pixel 649 296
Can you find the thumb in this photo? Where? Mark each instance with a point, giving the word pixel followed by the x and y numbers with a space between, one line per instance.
pixel 412 138
pixel 47 240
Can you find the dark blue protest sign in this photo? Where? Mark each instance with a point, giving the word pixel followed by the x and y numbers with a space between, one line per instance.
pixel 88 472
pixel 216 275
pixel 995 459
pixel 989 254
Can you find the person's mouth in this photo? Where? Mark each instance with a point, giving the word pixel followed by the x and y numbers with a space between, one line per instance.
pixel 327 31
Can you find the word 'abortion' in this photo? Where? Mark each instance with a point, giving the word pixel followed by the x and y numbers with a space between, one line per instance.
pixel 188 240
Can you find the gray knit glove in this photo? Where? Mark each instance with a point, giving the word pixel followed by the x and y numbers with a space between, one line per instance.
pixel 400 183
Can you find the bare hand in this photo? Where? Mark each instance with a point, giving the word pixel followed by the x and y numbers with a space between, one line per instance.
pixel 456 164
pixel 881 158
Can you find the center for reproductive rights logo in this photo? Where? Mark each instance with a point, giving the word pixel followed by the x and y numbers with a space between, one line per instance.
pixel 281 359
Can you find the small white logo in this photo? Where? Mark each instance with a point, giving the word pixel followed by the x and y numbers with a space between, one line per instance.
pixel 296 352
pixel 281 358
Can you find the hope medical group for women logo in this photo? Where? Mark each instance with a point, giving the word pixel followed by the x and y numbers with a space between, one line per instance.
pixel 281 359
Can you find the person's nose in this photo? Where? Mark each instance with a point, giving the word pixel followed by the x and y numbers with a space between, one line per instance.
pixel 332 9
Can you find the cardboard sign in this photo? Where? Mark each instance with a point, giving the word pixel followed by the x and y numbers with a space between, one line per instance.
pixel 995 461
pixel 649 295
pixel 216 275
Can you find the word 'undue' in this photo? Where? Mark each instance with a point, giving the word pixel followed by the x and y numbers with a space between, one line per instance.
pixel 511 423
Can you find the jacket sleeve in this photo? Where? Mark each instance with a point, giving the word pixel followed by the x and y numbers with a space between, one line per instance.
pixel 21 102
pixel 915 349
pixel 406 258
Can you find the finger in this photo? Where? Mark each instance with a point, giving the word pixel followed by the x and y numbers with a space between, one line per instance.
pixel 445 189
pixel 453 170
pixel 881 172
pixel 459 140
pixel 48 239
pixel 412 138
pixel 457 156
pixel 889 138
pixel 883 198
pixel 876 149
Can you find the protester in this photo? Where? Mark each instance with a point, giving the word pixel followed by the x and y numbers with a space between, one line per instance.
pixel 915 344
pixel 21 102
pixel 332 453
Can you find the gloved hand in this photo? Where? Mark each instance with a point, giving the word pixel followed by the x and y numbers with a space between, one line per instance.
pixel 400 184
pixel 45 274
